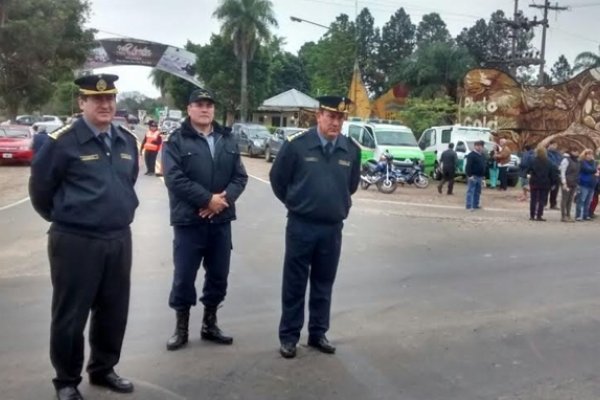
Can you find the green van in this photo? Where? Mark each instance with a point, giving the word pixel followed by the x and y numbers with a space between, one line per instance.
pixel 375 139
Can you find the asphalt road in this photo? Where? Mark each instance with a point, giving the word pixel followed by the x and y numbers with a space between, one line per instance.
pixel 430 303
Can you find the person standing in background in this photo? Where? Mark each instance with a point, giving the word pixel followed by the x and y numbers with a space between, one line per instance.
pixel 150 146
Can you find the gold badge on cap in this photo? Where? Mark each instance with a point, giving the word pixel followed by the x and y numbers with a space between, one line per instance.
pixel 101 85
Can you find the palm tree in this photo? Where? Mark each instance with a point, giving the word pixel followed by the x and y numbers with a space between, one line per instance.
pixel 159 80
pixel 247 23
pixel 586 60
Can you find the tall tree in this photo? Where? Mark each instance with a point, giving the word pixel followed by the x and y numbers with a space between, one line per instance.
pixel 586 60
pixel 41 42
pixel 368 40
pixel 490 42
pixel 561 71
pixel 431 29
pixel 329 62
pixel 247 23
pixel 397 44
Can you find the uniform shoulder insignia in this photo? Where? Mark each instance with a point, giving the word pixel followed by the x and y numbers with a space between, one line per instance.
pixel 60 131
pixel 296 135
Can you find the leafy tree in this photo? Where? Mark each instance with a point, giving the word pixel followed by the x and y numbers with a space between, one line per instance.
pixel 586 60
pixel 397 43
pixel 367 48
pixel 420 114
pixel 247 23
pixel 490 42
pixel 41 42
pixel 561 71
pixel 284 69
pixel 432 29
pixel 329 62
pixel 435 70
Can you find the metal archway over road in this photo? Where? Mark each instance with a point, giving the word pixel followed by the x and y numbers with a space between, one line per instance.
pixel 129 51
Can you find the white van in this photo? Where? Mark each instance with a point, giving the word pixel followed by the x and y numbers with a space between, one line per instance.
pixel 374 139
pixel 435 140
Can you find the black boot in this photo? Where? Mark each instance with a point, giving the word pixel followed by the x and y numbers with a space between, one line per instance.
pixel 180 337
pixel 210 331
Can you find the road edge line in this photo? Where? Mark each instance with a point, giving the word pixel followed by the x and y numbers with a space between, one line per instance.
pixel 16 203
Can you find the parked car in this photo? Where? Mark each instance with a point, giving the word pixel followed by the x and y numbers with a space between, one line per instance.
pixel 251 138
pixel 26 120
pixel 49 123
pixel 276 140
pixel 16 143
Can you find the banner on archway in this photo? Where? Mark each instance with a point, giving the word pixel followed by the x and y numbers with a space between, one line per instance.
pixel 115 52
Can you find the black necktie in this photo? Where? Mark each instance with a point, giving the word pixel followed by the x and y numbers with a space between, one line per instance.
pixel 328 149
pixel 105 140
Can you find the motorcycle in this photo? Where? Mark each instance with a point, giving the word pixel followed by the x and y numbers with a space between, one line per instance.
pixel 386 181
pixel 409 173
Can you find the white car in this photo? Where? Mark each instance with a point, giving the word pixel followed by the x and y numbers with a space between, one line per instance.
pixel 49 123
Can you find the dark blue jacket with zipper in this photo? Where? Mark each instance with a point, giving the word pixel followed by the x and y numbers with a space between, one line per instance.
pixel 193 175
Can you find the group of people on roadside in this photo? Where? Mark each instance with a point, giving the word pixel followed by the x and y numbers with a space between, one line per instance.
pixel 546 171
pixel 543 173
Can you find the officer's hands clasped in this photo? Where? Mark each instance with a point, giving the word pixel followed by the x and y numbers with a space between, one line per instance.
pixel 217 203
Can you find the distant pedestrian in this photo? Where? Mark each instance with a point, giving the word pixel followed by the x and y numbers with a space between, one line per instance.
pixel 502 157
pixel 150 146
pixel 542 178
pixel 475 171
pixel 493 167
pixel 569 178
pixel 587 184
pixel 39 138
pixel 448 161
pixel 526 159
pixel 555 158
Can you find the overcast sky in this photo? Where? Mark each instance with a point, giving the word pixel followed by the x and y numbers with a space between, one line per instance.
pixel 176 21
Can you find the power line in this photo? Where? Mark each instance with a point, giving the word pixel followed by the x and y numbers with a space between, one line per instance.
pixel 546 7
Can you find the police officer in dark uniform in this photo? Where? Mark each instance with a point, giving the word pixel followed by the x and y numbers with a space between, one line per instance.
pixel 314 175
pixel 205 176
pixel 82 182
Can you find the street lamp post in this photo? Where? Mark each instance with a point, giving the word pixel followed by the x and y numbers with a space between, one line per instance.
pixel 296 19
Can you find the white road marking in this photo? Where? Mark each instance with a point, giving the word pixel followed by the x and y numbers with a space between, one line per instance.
pixel 405 203
pixel 260 179
pixel 16 203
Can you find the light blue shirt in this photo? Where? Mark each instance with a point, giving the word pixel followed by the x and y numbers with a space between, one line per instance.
pixel 210 140
pixel 324 141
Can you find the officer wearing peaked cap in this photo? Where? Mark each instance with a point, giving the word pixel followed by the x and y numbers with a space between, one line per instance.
pixel 82 181
pixel 314 175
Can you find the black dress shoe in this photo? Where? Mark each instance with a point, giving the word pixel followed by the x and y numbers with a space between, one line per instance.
pixel 288 350
pixel 112 381
pixel 540 219
pixel 321 344
pixel 68 393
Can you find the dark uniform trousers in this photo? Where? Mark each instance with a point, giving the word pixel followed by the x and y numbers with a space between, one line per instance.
pixel 192 245
pixel 150 160
pixel 312 251
pixel 87 273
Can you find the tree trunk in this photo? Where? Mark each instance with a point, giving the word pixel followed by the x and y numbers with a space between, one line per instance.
pixel 244 91
pixel 13 109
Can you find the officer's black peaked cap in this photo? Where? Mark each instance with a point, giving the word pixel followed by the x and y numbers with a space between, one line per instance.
pixel 201 94
pixel 91 85
pixel 334 103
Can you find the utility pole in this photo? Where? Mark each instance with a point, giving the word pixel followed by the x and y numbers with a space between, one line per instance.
pixel 518 24
pixel 545 25
pixel 513 53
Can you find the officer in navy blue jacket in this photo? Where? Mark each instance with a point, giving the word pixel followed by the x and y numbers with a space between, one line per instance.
pixel 82 181
pixel 205 176
pixel 314 175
